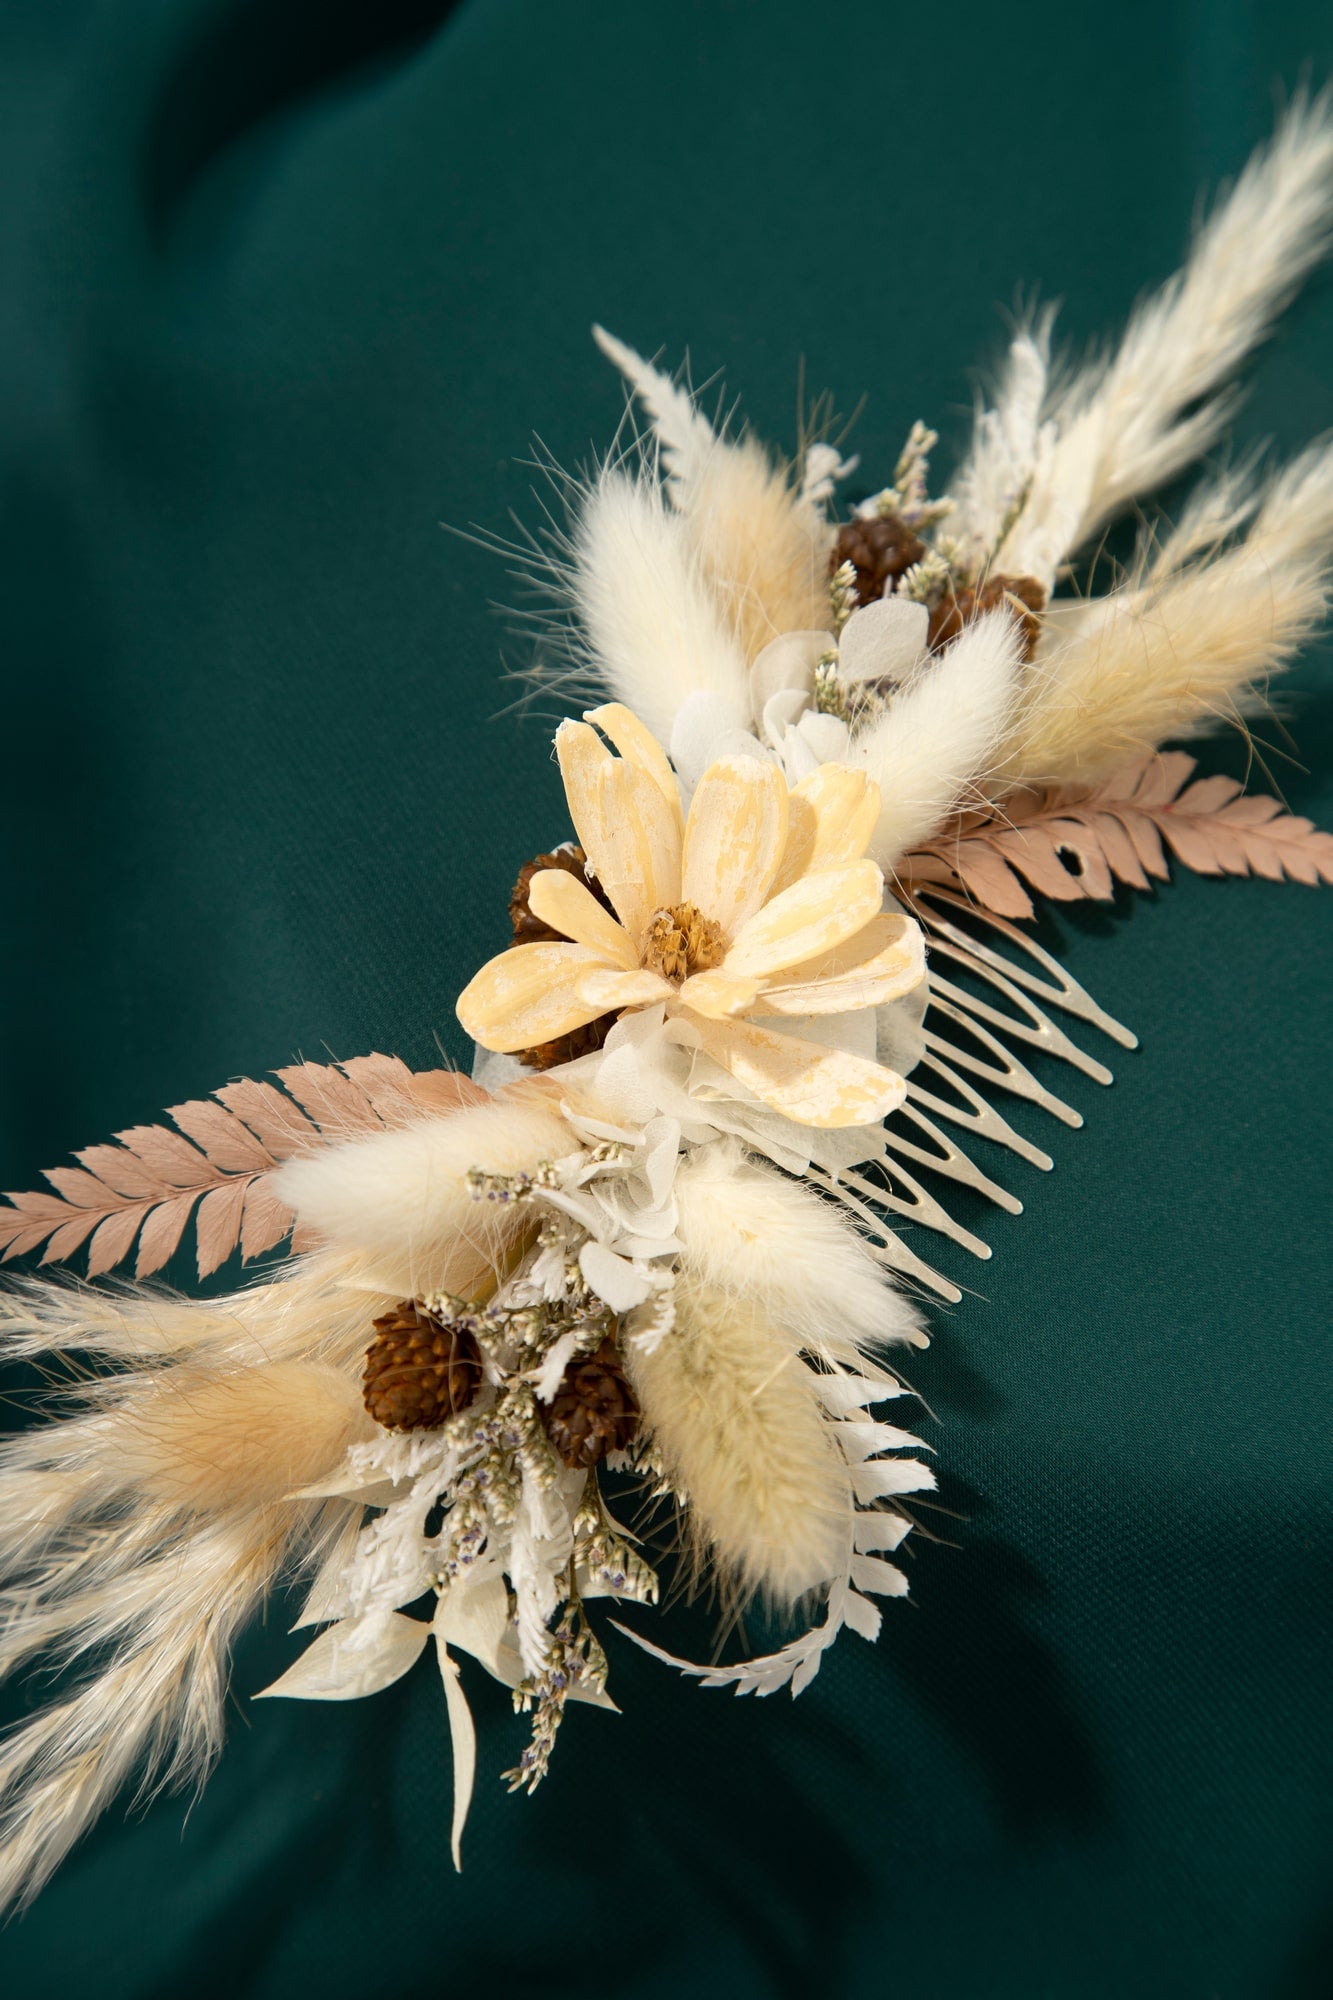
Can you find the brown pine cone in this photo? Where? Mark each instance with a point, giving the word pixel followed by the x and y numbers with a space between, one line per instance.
pixel 953 612
pixel 593 1411
pixel 420 1370
pixel 531 930
pixel 880 549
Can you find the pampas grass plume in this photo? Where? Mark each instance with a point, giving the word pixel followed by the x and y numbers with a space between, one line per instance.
pixel 1180 648
pixel 206 1441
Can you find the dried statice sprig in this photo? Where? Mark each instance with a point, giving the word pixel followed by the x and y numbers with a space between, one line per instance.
pixel 575 1665
pixel 605 1554
pixel 854 702
pixel 842 595
pixel 927 581
pixel 909 498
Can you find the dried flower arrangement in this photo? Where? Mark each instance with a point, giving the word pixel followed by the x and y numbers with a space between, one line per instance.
pixel 653 1235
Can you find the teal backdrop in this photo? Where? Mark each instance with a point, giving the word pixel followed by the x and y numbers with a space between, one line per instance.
pixel 284 288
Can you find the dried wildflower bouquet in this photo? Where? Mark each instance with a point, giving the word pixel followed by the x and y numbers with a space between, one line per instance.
pixel 762 990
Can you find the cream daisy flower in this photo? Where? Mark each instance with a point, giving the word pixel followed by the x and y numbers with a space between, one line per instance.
pixel 760 904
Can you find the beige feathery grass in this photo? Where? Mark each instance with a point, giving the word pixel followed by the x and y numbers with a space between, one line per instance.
pixel 205 1440
pixel 1179 648
pixel 651 622
pixel 319 1307
pixel 764 549
pixel 1126 424
pixel 735 1413
pixel 401 1205
pixel 760 543
pixel 754 1233
pixel 142 1529
pixel 160 1619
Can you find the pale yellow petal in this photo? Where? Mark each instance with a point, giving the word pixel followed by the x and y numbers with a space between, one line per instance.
pixel 815 915
pixel 582 757
pixel 806 1082
pixel 605 989
pixel 638 842
pixel 832 815
pixel 802 832
pixel 718 993
pixel 570 907
pixel 880 963
pixel 528 995
pixel 734 838
pixel 636 742
pixel 626 826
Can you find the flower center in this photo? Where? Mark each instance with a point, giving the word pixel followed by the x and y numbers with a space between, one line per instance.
pixel 682 940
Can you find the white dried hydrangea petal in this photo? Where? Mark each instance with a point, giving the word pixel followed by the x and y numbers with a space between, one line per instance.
pixel 883 641
pixel 704 730
pixel 788 662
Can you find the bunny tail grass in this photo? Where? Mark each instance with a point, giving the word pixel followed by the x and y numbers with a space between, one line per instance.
pixel 762 545
pixel 939 739
pixel 1187 643
pixel 752 1232
pixel 401 1207
pixel 655 634
pixel 736 1414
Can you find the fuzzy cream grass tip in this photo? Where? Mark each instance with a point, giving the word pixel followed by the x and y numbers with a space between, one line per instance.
pixel 401 1207
pixel 761 543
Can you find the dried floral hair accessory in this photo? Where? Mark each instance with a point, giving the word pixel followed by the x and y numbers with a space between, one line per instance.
pixel 648 1254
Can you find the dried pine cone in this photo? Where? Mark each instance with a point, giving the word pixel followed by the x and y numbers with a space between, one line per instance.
pixel 420 1370
pixel 953 612
pixel 593 1411
pixel 880 548
pixel 566 1048
pixel 531 930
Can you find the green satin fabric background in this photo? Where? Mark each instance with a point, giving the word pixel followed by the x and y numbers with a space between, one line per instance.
pixel 285 286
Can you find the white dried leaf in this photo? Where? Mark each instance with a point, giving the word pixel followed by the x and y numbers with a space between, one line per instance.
pixel 354 1658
